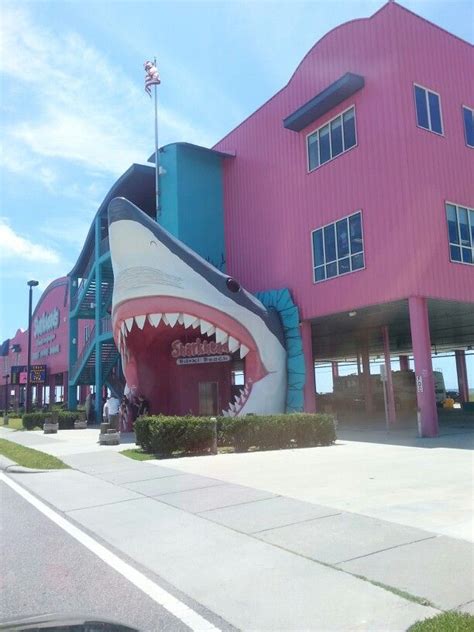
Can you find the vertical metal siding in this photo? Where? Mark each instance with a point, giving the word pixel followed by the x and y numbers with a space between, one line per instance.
pixel 398 175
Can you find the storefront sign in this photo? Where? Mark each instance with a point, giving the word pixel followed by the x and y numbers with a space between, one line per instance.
pixel 204 359
pixel 49 351
pixel 46 322
pixel 198 348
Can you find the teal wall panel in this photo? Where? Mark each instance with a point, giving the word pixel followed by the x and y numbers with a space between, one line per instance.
pixel 191 199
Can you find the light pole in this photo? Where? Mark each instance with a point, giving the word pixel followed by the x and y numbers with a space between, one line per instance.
pixel 5 418
pixel 31 285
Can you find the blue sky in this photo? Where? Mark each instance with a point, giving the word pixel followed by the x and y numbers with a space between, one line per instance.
pixel 74 114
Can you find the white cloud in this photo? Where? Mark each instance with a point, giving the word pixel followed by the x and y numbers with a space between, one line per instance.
pixel 19 248
pixel 84 109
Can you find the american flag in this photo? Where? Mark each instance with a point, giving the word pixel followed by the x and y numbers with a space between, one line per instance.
pixel 152 78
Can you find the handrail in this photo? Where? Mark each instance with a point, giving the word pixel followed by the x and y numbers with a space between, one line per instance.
pixel 85 349
pixel 106 325
pixel 82 284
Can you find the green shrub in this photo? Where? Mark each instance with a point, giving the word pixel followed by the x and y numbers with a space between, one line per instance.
pixel 445 622
pixel 268 432
pixel 66 419
pixel 165 435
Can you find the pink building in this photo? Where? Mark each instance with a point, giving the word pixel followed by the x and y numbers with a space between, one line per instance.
pixel 353 186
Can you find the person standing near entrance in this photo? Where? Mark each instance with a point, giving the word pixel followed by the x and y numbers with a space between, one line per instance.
pixel 111 412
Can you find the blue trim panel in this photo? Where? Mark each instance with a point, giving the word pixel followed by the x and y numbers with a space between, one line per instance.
pixel 282 302
pixel 331 96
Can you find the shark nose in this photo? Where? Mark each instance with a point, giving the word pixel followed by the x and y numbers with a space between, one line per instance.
pixel 121 208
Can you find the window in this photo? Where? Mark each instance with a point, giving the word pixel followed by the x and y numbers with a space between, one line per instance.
pixel 468 116
pixel 338 248
pixel 428 110
pixel 331 139
pixel 461 233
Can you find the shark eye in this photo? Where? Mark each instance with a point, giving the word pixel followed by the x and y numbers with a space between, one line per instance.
pixel 233 285
pixel 153 243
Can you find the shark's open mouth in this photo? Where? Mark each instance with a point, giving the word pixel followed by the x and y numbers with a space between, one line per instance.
pixel 141 324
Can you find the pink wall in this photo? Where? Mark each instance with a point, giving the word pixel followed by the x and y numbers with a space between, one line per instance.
pixel 399 175
pixel 54 297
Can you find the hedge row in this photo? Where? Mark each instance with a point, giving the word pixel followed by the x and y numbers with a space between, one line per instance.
pixel 164 435
pixel 66 419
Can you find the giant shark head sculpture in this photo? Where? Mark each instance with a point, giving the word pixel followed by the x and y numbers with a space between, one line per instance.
pixel 160 283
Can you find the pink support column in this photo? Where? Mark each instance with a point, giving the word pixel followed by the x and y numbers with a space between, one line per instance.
pixel 425 386
pixel 309 384
pixel 404 363
pixel 461 369
pixel 392 415
pixel 335 369
pixel 369 400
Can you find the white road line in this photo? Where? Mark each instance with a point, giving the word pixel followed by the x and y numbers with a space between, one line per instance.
pixel 173 605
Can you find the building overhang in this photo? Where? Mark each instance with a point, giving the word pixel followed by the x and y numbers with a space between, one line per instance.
pixel 331 96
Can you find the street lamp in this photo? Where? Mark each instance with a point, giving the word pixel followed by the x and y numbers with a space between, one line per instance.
pixel 31 285
pixel 5 418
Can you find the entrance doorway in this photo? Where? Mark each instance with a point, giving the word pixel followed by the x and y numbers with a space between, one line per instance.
pixel 208 398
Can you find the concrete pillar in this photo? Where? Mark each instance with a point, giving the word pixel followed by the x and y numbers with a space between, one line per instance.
pixel 39 395
pixel 404 363
pixel 392 415
pixel 369 399
pixel 65 388
pixel 461 369
pixel 425 386
pixel 335 369
pixel 309 383
pixel 52 389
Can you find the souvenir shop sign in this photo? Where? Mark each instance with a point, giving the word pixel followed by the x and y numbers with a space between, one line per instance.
pixel 200 352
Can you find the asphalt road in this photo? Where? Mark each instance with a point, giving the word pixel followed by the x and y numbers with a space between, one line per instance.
pixel 44 570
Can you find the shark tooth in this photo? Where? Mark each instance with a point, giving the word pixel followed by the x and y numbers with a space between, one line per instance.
pixel 225 413
pixel 221 336
pixel 140 320
pixel 211 331
pixel 123 329
pixel 172 319
pixel 233 408
pixel 233 344
pixel 189 320
pixel 181 319
pixel 243 351
pixel 129 323
pixel 196 323
pixel 205 326
pixel 154 319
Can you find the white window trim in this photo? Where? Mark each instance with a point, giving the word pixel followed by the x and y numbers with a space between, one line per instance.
pixel 464 263
pixel 418 85
pixel 467 107
pixel 328 122
pixel 337 258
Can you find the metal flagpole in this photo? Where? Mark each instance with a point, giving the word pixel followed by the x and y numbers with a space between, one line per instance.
pixel 157 166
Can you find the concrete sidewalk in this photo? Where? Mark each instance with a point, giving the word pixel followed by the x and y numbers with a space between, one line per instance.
pixel 259 558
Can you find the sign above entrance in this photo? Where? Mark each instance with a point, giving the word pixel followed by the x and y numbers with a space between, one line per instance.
pixel 198 348
pixel 204 359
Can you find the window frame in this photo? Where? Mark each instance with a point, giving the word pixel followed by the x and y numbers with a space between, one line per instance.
pixel 333 223
pixel 466 107
pixel 320 127
pixel 426 129
pixel 460 246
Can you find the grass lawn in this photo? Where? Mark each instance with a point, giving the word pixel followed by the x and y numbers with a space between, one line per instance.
pixel 445 622
pixel 139 455
pixel 29 457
